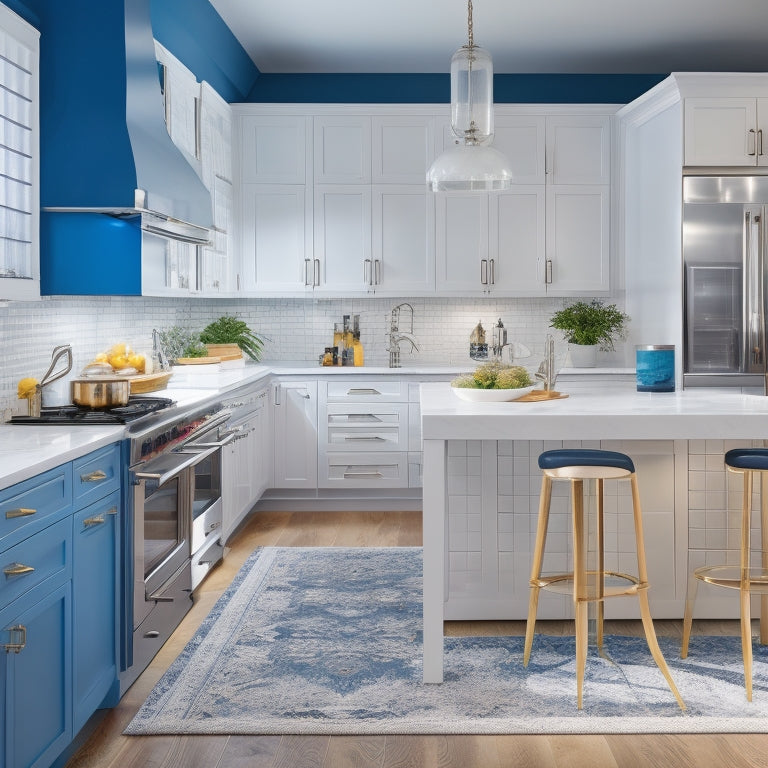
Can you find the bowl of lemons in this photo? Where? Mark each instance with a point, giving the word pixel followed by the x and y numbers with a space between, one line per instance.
pixel 493 382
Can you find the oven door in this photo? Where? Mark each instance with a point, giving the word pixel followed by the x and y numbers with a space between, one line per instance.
pixel 162 507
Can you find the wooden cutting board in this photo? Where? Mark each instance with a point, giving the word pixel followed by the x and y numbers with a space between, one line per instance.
pixel 540 396
pixel 149 382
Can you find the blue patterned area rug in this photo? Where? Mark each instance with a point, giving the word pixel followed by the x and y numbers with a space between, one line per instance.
pixel 328 641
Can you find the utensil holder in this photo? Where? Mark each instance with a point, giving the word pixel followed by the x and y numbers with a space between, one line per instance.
pixel 34 401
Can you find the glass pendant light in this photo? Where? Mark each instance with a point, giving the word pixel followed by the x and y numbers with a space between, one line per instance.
pixel 471 165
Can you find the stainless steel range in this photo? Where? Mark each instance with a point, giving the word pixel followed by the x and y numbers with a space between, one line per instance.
pixel 173 526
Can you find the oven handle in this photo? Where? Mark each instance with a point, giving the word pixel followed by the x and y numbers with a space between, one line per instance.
pixel 163 477
pixel 193 446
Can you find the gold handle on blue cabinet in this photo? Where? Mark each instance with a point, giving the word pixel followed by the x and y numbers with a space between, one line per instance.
pixel 17 569
pixel 94 477
pixel 95 520
pixel 19 512
pixel 17 639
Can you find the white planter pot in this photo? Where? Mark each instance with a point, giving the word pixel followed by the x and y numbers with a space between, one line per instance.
pixel 583 355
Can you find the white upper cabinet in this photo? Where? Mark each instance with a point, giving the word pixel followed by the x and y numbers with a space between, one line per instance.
pixel 275 244
pixel 579 149
pixel 577 240
pixel 726 131
pixel 516 249
pixel 19 159
pixel 522 139
pixel 403 240
pixel 342 149
pixel 273 148
pixel 403 147
pixel 342 232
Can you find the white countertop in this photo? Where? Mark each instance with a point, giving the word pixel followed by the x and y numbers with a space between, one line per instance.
pixel 601 412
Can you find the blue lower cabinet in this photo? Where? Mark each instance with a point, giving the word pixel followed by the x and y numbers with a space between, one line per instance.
pixel 94 595
pixel 36 676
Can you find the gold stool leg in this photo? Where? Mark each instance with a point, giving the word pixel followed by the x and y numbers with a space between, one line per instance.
pixel 690 599
pixel 645 610
pixel 764 550
pixel 600 576
pixel 579 586
pixel 744 592
pixel 538 557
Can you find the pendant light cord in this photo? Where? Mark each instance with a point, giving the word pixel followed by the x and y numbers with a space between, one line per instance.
pixel 470 35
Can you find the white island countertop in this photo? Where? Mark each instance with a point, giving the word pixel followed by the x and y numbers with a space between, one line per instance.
pixel 604 411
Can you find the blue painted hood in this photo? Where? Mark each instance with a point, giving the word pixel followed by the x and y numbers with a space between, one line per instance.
pixel 104 143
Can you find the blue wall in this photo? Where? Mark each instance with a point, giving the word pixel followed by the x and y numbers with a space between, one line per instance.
pixel 436 88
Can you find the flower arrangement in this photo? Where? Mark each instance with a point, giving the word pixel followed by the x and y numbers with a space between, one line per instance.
pixel 494 375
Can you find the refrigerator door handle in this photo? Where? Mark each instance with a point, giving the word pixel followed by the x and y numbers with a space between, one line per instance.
pixel 754 315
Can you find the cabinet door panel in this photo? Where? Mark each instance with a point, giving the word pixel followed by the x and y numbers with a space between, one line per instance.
pixel 403 148
pixel 274 238
pixel 403 239
pixel 296 435
pixel 273 149
pixel 577 239
pixel 461 242
pixel 717 131
pixel 579 149
pixel 342 236
pixel 37 681
pixel 94 603
pixel 342 150
pixel 522 139
pixel 517 249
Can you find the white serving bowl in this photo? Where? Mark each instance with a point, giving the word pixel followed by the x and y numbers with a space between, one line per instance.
pixel 490 395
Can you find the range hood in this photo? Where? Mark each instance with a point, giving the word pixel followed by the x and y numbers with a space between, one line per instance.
pixel 106 146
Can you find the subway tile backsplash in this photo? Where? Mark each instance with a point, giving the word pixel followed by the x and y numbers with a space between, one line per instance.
pixel 295 329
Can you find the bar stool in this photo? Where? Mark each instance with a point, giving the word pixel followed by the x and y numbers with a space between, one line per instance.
pixel 745 578
pixel 589 586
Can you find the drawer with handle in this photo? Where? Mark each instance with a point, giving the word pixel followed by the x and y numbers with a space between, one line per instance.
pixel 366 427
pixel 34 504
pixel 96 474
pixel 364 470
pixel 37 558
pixel 380 390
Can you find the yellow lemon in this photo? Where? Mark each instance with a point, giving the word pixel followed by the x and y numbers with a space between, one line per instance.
pixel 136 361
pixel 118 361
pixel 117 349
pixel 27 387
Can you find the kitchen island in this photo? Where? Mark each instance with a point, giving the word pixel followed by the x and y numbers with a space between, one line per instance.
pixel 481 479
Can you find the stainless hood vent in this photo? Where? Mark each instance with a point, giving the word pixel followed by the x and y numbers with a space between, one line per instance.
pixel 140 172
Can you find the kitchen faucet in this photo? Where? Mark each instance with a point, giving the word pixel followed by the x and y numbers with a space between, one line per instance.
pixel 547 372
pixel 396 335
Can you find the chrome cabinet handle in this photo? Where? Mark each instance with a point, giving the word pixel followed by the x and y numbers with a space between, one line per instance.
pixel 306 272
pixel 367 272
pixel 548 273
pixel 363 391
pixel 94 477
pixel 751 142
pixel 493 271
pixel 17 639
pixel 19 512
pixel 351 475
pixel 316 280
pixel 18 569
pixel 364 437
pixel 484 271
pixel 760 142
pixel 377 271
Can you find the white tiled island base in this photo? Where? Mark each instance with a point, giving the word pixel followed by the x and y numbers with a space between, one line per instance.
pixel 481 493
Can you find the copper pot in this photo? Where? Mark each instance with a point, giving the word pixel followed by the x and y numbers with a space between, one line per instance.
pixel 101 391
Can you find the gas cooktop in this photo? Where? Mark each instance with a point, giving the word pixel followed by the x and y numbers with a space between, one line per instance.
pixel 76 414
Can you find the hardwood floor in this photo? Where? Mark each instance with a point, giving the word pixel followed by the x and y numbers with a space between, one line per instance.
pixel 108 748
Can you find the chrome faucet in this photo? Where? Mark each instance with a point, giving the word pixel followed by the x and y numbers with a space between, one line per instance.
pixel 547 371
pixel 396 336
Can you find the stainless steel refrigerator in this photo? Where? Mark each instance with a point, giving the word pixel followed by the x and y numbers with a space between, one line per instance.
pixel 724 242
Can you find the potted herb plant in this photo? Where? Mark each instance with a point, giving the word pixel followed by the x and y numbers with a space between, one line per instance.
pixel 590 326
pixel 229 330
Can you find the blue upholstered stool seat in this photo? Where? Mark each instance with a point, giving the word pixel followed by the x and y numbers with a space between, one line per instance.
pixel 587 457
pixel 747 458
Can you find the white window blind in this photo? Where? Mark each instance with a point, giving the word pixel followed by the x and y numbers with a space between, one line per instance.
pixel 19 51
